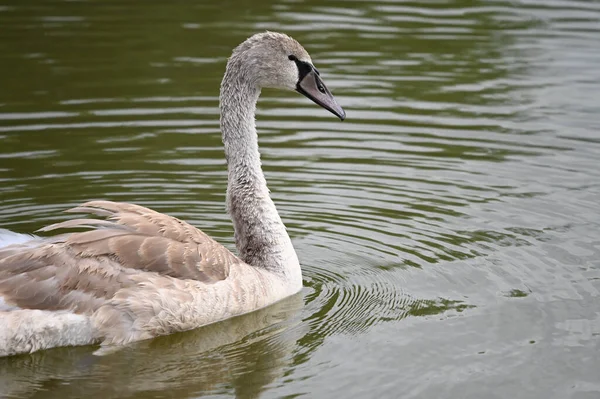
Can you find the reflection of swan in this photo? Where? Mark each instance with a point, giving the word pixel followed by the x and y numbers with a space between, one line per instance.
pixel 245 354
pixel 140 274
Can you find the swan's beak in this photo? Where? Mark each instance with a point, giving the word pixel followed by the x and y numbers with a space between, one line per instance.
pixel 313 87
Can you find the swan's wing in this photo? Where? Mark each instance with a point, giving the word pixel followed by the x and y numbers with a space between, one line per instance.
pixel 52 277
pixel 140 238
pixel 121 301
pixel 82 271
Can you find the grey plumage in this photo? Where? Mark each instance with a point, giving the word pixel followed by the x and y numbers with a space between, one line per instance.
pixel 136 273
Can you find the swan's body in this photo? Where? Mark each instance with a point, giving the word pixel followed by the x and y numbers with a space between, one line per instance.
pixel 137 273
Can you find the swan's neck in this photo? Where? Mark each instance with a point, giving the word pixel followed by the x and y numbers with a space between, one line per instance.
pixel 260 235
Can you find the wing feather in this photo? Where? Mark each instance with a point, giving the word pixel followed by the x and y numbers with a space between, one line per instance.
pixel 82 271
pixel 140 238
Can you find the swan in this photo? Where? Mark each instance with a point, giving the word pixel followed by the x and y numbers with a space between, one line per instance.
pixel 134 273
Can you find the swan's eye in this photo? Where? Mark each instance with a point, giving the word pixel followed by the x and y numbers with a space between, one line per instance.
pixel 292 57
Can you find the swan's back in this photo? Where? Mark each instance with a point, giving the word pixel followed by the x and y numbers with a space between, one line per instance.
pixel 124 276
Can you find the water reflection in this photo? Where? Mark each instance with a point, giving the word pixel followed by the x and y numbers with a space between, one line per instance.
pixel 244 354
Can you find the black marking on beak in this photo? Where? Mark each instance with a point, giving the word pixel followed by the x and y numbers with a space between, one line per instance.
pixel 310 85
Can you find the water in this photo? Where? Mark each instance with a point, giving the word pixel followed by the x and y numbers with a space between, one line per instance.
pixel 448 229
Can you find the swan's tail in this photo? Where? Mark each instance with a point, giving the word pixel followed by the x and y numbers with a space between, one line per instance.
pixel 29 330
pixel 26 330
pixel 8 237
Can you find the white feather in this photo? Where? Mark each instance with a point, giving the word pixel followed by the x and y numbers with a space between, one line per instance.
pixel 8 237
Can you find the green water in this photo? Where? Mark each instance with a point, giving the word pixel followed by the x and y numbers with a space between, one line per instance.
pixel 448 229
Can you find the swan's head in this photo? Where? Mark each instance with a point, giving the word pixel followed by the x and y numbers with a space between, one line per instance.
pixel 275 60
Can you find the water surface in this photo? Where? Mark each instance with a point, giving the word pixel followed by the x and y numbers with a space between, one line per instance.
pixel 448 229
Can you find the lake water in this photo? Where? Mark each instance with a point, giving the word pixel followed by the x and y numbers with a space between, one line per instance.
pixel 449 229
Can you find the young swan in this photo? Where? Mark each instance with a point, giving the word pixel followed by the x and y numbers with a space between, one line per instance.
pixel 136 273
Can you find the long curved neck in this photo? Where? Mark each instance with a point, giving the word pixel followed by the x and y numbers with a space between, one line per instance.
pixel 260 235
